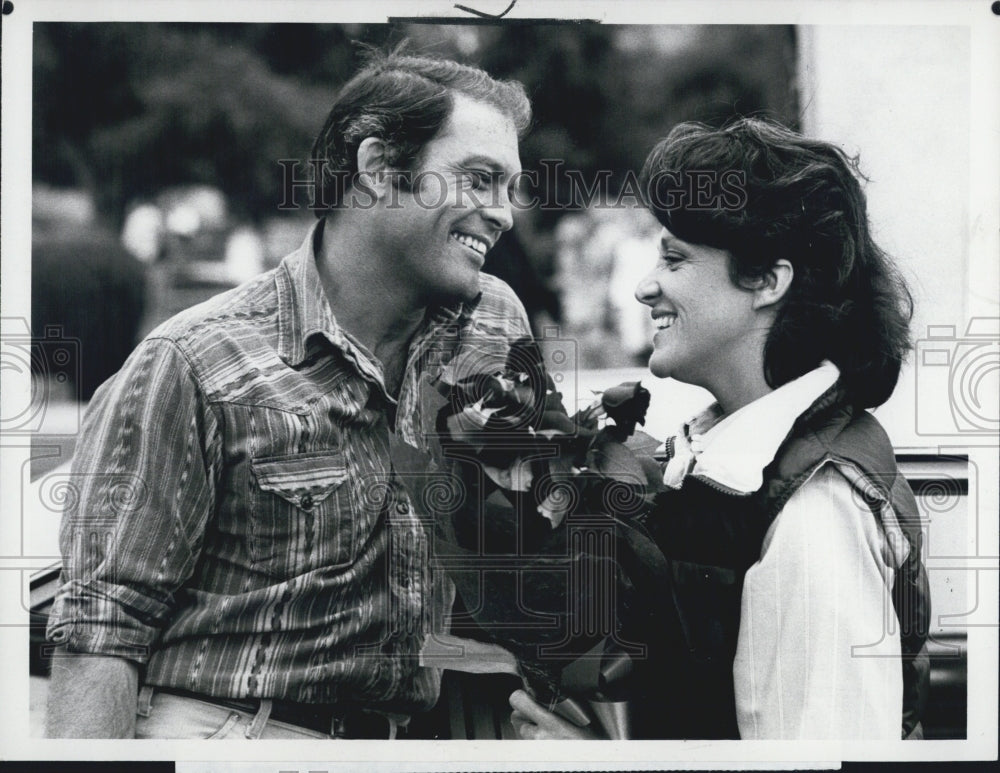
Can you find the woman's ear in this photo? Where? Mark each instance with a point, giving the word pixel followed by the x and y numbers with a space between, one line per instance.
pixel 774 284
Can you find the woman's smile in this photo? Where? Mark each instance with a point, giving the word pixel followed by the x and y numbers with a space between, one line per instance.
pixel 704 321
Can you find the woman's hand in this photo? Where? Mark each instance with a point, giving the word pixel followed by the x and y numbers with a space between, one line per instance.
pixel 534 722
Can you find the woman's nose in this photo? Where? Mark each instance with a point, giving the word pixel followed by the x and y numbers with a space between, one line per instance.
pixel 647 291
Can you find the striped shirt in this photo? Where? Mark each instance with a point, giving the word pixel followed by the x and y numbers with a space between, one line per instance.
pixel 236 525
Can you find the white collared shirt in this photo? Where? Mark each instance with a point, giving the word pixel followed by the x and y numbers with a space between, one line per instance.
pixel 818 654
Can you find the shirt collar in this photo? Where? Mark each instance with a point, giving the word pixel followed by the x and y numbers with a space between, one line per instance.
pixel 733 451
pixel 304 311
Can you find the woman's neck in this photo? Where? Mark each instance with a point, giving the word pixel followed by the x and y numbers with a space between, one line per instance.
pixel 742 383
pixel 735 397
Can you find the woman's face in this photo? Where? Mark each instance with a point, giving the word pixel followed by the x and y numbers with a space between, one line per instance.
pixel 706 325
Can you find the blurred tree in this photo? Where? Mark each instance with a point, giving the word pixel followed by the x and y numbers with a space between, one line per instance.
pixel 127 109
pixel 124 110
pixel 603 95
pixel 88 286
pixel 563 70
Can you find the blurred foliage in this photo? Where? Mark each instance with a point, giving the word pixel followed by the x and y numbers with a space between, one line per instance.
pixel 603 96
pixel 124 111
pixel 92 290
pixel 127 109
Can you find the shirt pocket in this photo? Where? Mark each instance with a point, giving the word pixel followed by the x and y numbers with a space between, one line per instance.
pixel 301 514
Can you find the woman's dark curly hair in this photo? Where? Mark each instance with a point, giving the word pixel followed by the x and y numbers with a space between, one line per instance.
pixel 763 192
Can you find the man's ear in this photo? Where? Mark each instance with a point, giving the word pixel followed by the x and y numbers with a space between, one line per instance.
pixel 373 168
pixel 774 284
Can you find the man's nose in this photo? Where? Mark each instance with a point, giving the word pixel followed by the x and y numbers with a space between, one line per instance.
pixel 499 212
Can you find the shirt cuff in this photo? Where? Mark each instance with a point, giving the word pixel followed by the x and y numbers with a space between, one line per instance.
pixel 100 619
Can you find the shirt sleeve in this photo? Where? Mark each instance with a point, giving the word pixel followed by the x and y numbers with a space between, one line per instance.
pixel 140 490
pixel 818 655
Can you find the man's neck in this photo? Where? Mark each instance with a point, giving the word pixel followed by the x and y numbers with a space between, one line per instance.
pixel 367 299
pixel 366 296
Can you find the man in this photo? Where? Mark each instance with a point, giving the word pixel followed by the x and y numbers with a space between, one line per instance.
pixel 242 560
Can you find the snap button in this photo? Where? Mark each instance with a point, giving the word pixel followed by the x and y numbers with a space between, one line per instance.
pixel 307 502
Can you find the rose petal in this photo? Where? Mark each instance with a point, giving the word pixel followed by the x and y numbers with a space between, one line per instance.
pixel 554 508
pixel 517 477
pixel 619 394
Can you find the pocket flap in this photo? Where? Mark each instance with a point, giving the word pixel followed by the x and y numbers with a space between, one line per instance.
pixel 296 477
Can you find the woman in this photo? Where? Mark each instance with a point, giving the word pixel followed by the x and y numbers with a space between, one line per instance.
pixel 798 606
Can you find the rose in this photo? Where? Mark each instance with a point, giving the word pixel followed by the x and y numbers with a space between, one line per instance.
pixel 626 404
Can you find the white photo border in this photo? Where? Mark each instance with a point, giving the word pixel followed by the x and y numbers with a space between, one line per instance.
pixel 15 248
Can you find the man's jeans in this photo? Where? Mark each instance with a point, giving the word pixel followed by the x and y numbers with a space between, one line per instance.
pixel 163 715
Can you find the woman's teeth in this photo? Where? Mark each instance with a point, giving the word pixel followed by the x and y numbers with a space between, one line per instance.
pixel 470 241
pixel 662 323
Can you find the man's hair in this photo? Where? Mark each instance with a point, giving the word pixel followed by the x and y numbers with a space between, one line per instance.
pixel 799 199
pixel 403 100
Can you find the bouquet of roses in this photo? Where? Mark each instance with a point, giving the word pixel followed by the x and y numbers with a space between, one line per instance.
pixel 545 545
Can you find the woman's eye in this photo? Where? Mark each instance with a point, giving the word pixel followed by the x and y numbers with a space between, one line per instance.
pixel 672 259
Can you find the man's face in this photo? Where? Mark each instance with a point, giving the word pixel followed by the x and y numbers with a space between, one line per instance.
pixel 459 204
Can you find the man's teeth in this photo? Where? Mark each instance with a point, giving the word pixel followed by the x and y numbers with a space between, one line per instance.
pixel 470 241
pixel 662 323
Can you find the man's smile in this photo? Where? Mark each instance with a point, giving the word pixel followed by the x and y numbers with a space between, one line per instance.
pixel 470 241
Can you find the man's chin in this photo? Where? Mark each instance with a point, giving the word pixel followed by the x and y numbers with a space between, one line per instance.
pixel 466 292
pixel 473 292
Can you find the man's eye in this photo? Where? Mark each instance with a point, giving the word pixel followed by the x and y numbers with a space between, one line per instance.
pixel 672 259
pixel 477 180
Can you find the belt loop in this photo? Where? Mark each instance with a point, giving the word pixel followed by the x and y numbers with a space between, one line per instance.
pixel 256 727
pixel 393 727
pixel 144 705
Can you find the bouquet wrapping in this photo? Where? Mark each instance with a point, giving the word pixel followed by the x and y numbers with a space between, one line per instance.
pixel 537 518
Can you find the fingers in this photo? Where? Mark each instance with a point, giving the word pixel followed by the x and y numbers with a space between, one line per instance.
pixel 526 716
pixel 533 721
pixel 524 727
pixel 521 718
pixel 521 702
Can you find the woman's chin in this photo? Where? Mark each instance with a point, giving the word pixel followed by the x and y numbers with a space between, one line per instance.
pixel 659 368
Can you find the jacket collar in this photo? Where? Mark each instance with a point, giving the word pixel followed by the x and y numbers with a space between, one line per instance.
pixel 733 451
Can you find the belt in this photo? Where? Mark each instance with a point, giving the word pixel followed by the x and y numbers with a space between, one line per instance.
pixel 326 718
